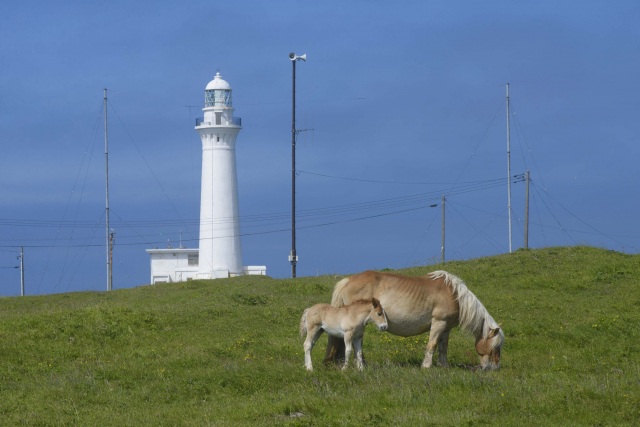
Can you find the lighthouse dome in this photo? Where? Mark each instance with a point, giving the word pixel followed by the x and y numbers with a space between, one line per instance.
pixel 218 83
pixel 217 93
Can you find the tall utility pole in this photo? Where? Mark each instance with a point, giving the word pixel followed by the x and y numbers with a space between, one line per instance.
pixel 442 249
pixel 109 240
pixel 293 256
pixel 509 167
pixel 526 212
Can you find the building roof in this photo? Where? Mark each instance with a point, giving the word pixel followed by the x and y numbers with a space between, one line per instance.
pixel 172 250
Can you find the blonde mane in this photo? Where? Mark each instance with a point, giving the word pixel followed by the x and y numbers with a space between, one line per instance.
pixel 474 317
pixel 336 299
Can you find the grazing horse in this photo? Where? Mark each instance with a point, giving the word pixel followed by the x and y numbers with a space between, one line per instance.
pixel 436 303
pixel 346 322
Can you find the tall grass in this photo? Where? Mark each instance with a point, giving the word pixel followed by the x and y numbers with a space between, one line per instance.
pixel 227 353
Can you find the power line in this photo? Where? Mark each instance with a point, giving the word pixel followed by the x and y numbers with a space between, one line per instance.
pixel 388 202
pixel 595 231
pixel 396 204
pixel 478 230
pixel 384 207
pixel 375 181
pixel 144 159
pixel 342 213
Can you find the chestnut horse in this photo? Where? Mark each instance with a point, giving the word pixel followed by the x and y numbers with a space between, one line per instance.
pixel 436 303
pixel 344 322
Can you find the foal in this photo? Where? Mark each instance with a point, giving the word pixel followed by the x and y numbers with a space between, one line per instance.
pixel 345 322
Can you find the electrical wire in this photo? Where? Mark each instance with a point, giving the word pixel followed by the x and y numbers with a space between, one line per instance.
pixel 395 204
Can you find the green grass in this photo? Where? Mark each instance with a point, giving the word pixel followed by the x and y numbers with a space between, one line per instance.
pixel 227 353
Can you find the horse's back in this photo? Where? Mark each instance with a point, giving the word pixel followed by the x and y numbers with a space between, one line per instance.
pixel 410 302
pixel 374 284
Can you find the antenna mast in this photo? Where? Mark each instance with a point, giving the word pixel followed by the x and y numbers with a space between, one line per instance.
pixel 444 200
pixel 509 167
pixel 108 233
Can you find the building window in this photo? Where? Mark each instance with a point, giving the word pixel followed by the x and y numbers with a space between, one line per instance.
pixel 192 259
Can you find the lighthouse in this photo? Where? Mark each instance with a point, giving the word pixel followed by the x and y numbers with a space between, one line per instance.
pixel 220 251
pixel 219 254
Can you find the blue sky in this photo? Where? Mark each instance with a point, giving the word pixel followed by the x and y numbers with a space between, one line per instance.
pixel 404 102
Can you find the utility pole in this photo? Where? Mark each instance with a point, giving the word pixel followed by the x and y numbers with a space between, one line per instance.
pixel 442 249
pixel 108 231
pixel 526 212
pixel 112 241
pixel 21 258
pixel 509 167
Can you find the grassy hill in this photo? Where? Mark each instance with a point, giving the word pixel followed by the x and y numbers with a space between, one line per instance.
pixel 227 353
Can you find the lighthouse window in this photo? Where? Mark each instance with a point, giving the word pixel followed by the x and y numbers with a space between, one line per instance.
pixel 218 118
pixel 209 98
pixel 224 98
pixel 217 98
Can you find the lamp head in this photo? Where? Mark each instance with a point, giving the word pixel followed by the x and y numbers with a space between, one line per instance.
pixel 294 57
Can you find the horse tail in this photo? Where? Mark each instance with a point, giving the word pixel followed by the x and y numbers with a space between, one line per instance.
pixel 473 317
pixel 303 323
pixel 336 297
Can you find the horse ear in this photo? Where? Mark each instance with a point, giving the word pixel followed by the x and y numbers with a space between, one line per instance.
pixel 493 332
pixel 375 302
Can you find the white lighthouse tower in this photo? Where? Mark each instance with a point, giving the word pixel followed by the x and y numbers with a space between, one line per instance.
pixel 220 252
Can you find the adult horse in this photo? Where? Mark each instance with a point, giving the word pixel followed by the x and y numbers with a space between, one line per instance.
pixel 436 303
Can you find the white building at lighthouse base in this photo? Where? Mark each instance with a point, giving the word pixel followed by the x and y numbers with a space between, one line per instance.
pixel 181 264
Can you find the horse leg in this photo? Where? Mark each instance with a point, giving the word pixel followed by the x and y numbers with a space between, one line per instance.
pixel 437 328
pixel 335 350
pixel 348 348
pixel 313 333
pixel 443 345
pixel 357 343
